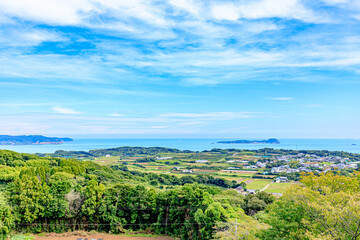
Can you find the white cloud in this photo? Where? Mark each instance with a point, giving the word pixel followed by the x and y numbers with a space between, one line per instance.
pixel 63 110
pixel 282 98
pixel 290 9
pixel 190 123
pixel 28 37
pixel 262 27
pixel 116 115
pixel 58 12
pixel 159 127
pixel 225 11
pixel 186 5
pixel 52 66
pixel 140 9
pixel 80 12
pixel 200 43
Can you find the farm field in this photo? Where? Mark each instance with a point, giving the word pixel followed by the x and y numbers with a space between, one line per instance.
pixel 258 184
pixel 228 166
pixel 278 187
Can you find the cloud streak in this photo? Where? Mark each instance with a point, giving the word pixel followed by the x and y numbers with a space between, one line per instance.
pixel 281 98
pixel 63 110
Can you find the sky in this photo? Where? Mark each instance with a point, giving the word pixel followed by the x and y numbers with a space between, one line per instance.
pixel 180 68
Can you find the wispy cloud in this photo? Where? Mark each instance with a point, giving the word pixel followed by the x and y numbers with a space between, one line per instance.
pixel 213 52
pixel 27 36
pixel 116 115
pixel 292 9
pixel 172 63
pixel 63 110
pixel 78 123
pixel 281 98
pixel 159 127
pixel 314 105
pixel 223 115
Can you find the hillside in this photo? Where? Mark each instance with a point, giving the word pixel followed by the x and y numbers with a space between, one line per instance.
pixel 49 194
pixel 31 140
pixel 55 195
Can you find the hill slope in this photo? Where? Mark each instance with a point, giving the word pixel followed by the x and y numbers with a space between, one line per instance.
pixel 31 139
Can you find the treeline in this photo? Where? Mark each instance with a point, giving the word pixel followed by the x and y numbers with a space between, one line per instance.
pixel 35 206
pixel 173 180
pixel 153 151
pixel 56 195
pixel 119 151
pixel 266 151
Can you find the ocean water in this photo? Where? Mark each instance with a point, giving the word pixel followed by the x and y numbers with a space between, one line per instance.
pixel 190 144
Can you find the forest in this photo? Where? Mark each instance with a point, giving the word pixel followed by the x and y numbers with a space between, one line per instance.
pixel 51 194
pixel 133 151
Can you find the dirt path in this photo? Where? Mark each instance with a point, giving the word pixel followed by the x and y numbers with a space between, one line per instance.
pixel 94 236
pixel 249 181
pixel 265 187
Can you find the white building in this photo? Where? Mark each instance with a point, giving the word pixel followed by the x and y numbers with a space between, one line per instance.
pixel 201 161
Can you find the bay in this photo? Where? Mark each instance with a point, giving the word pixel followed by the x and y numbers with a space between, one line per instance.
pixel 85 144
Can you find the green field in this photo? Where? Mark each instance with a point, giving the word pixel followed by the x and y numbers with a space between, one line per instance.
pixel 278 187
pixel 214 167
pixel 258 184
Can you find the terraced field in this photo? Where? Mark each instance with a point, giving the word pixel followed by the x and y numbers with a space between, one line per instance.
pixel 216 166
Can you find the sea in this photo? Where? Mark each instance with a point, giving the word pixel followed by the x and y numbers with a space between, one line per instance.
pixel 85 144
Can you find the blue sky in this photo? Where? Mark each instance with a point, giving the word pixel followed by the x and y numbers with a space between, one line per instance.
pixel 180 68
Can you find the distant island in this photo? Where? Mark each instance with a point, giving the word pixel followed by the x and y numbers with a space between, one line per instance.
pixel 31 140
pixel 269 141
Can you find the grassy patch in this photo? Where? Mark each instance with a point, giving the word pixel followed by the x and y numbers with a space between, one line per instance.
pixel 258 184
pixel 22 237
pixel 278 187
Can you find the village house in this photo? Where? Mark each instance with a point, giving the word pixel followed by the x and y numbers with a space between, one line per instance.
pixel 251 191
pixel 163 158
pixel 201 161
pixel 239 189
pixel 281 179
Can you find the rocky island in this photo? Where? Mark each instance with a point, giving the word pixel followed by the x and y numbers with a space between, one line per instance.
pixel 31 140
pixel 269 141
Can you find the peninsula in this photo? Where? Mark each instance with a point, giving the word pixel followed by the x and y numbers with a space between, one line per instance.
pixel 269 141
pixel 31 140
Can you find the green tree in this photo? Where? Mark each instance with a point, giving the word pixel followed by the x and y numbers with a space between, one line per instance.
pixel 6 218
pixel 93 195
pixel 324 207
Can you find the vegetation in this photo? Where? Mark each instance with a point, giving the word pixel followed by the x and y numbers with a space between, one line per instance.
pixel 56 195
pixel 30 139
pixel 49 194
pixel 137 151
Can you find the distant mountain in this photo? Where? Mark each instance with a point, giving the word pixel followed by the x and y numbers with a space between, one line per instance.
pixel 31 140
pixel 269 141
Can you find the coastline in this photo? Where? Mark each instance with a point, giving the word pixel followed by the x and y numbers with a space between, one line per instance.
pixel 86 144
pixel 23 144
